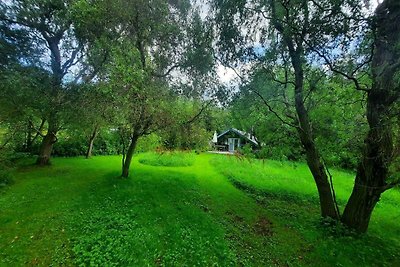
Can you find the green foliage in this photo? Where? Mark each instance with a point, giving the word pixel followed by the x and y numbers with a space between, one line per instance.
pixel 168 159
pixel 340 124
pixel 6 174
pixel 148 143
pixel 191 128
pixel 336 111
pixel 247 151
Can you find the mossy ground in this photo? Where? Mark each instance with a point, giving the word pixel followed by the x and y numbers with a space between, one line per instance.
pixel 216 211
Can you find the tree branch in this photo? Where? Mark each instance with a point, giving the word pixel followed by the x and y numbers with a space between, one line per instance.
pixel 71 61
pixel 273 111
pixel 6 142
pixel 194 118
pixel 333 69
pixel 162 75
pixel 38 131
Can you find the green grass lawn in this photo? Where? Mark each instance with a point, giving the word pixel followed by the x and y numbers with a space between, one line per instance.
pixel 168 159
pixel 208 210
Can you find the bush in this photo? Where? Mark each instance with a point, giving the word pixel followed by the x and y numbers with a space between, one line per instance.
pixel 263 153
pixel 247 151
pixel 74 144
pixel 148 143
pixel 189 138
pixel 6 177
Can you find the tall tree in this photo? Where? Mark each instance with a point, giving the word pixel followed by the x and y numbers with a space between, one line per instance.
pixel 372 178
pixel 300 29
pixel 141 102
pixel 91 109
pixel 155 39
pixel 373 68
pixel 281 28
pixel 52 29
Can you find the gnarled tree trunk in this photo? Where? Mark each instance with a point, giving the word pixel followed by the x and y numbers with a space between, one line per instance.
pixel 294 43
pixel 91 141
pixel 372 173
pixel 326 198
pixel 327 202
pixel 127 159
pixel 50 138
pixel 373 169
pixel 47 144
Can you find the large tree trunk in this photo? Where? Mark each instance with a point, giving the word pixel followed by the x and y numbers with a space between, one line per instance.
pixel 373 170
pixel 296 51
pixel 317 168
pixel 51 137
pixel 91 141
pixel 47 143
pixel 363 199
pixel 314 162
pixel 126 161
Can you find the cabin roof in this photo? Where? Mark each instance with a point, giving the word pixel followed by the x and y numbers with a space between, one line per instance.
pixel 243 134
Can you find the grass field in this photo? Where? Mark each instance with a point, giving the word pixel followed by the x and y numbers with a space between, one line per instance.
pixel 188 210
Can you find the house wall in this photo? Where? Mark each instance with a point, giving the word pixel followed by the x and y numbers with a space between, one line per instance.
pixel 223 140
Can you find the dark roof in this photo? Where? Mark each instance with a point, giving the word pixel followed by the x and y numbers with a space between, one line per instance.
pixel 245 135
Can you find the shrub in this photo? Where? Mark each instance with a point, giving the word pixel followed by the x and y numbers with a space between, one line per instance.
pixel 148 143
pixel 247 151
pixel 6 177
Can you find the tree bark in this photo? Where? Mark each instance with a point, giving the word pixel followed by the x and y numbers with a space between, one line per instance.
pixel 91 141
pixel 373 169
pixel 314 162
pixel 362 201
pixel 128 157
pixel 48 141
pixel 50 138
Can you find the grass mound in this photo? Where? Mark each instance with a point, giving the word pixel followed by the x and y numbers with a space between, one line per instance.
pixel 168 159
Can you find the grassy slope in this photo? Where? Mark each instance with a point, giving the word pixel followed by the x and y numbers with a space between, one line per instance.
pixel 287 190
pixel 77 211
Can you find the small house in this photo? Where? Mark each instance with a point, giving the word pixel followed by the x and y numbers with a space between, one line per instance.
pixel 234 139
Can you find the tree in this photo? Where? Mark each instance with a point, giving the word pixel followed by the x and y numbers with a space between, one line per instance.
pixel 53 30
pixel 149 112
pixel 373 69
pixel 300 29
pixel 91 109
pixel 139 99
pixel 155 39
pixel 21 100
pixel 373 176
pixel 289 24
